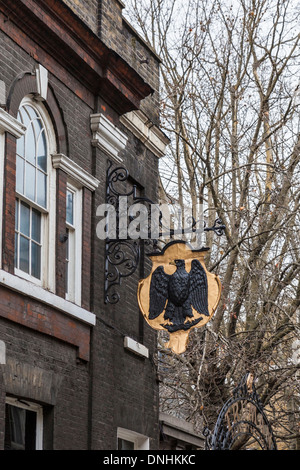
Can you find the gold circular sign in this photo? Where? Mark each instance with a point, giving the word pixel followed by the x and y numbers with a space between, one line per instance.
pixel 191 281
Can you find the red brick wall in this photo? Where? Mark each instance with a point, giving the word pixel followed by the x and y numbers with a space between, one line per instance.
pixel 122 38
pixel 60 255
pixel 44 319
pixel 115 388
pixel 9 203
pixel 87 11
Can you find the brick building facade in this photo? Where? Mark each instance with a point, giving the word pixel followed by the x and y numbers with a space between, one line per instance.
pixel 78 95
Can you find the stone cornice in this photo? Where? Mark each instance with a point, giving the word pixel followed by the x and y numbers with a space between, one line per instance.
pixel 151 136
pixel 56 29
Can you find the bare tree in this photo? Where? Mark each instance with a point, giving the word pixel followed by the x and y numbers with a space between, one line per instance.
pixel 230 105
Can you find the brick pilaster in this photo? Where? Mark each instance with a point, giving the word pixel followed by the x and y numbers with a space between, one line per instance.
pixel 60 255
pixel 9 204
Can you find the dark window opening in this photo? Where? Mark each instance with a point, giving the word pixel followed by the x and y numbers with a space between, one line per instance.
pixel 125 445
pixel 20 428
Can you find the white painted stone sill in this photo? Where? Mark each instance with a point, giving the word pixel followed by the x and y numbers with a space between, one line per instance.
pixel 36 292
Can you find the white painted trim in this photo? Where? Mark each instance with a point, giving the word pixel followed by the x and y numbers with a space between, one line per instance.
pixel 107 137
pixel 2 352
pixel 41 82
pixel 2 93
pixel 2 157
pixel 49 221
pixel 38 409
pixel 140 441
pixel 74 171
pixel 30 289
pixel 10 124
pixel 135 347
pixel 28 277
pixel 76 263
pixel 151 136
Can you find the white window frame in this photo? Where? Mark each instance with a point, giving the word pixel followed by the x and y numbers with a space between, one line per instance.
pixel 18 271
pixel 38 409
pixel 2 152
pixel 78 178
pixel 7 124
pixel 48 222
pixel 140 441
pixel 75 245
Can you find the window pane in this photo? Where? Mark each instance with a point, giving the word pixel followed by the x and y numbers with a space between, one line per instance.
pixel 70 207
pixel 35 260
pixel 20 175
pixel 20 428
pixel 21 146
pixel 30 181
pixel 41 189
pixel 25 119
pixel 16 250
pixel 38 126
pixel 42 152
pixel 34 164
pixel 30 430
pixel 15 420
pixel 20 115
pixel 31 112
pixel 24 254
pixel 30 149
pixel 36 226
pixel 17 215
pixel 125 445
pixel 25 219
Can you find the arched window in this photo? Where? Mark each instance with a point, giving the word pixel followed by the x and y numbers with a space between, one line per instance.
pixel 34 201
pixel 32 151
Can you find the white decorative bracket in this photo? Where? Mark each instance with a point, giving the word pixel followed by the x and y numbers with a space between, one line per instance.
pixel 41 82
pixel 2 353
pixel 73 170
pixel 2 93
pixel 107 137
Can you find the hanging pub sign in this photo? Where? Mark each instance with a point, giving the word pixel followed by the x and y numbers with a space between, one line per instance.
pixel 179 294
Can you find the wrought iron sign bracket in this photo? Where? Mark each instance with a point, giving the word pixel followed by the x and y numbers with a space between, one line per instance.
pixel 242 420
pixel 122 253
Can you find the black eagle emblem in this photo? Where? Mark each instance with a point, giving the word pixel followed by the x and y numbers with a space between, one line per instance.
pixel 177 294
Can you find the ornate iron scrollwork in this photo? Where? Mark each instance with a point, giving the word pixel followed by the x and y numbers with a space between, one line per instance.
pixel 122 258
pixel 122 254
pixel 242 420
pixel 218 228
